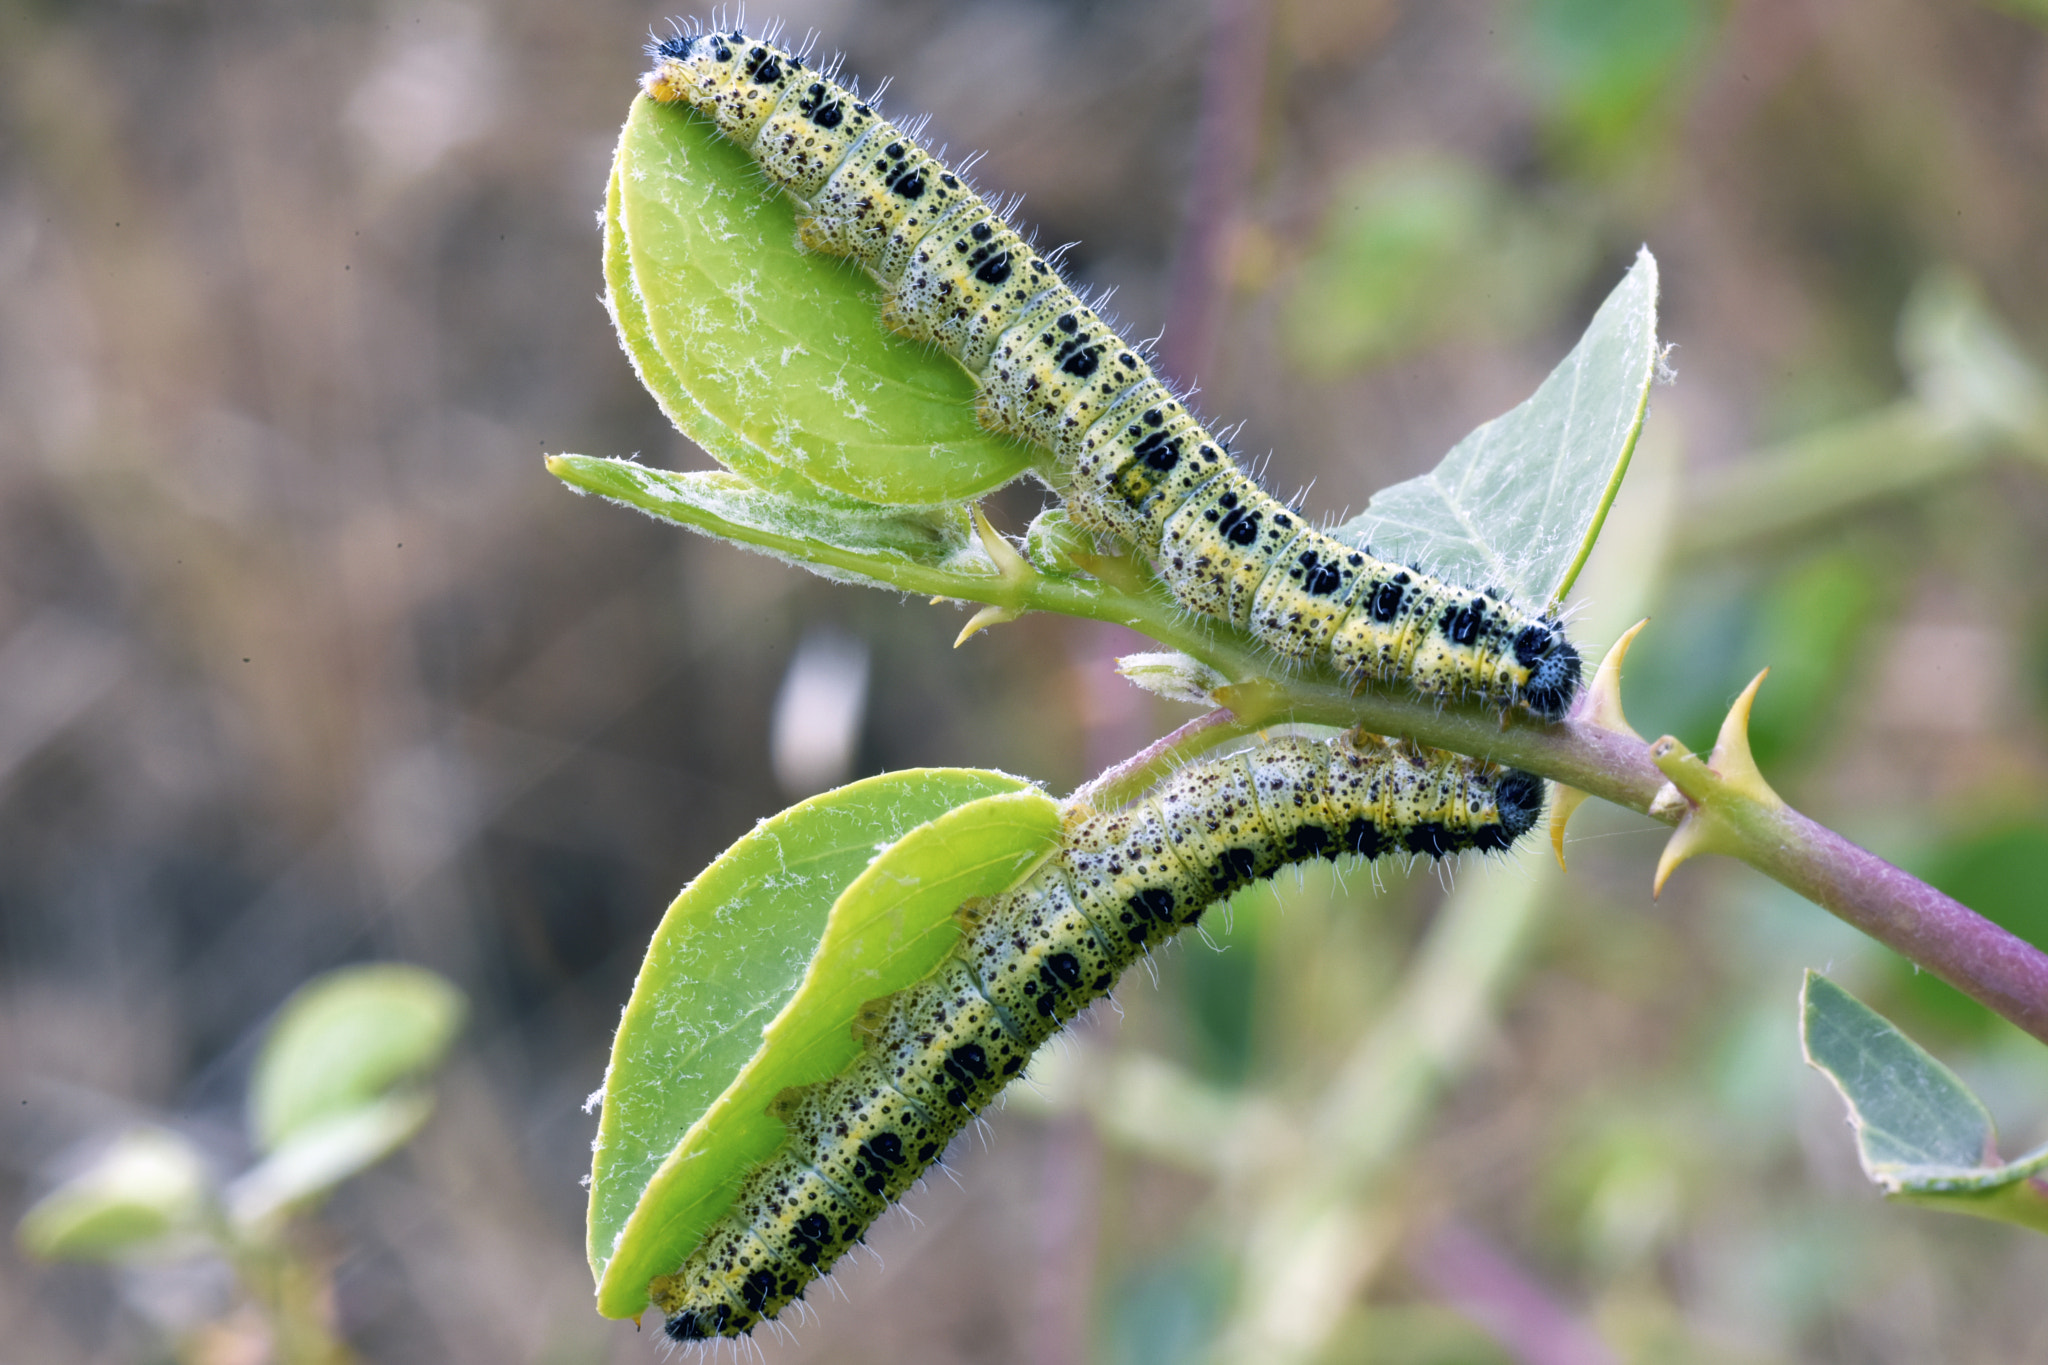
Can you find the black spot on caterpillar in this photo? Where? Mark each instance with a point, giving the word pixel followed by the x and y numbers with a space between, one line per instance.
pixel 1135 461
pixel 1033 958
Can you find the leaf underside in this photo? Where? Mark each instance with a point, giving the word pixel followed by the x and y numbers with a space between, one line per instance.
pixel 1921 1134
pixel 1517 504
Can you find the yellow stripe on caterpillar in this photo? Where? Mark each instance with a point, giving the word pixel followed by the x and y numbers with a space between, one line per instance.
pixel 1031 959
pixel 1134 461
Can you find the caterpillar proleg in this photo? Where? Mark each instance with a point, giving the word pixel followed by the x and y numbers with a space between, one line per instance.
pixel 1130 457
pixel 1031 959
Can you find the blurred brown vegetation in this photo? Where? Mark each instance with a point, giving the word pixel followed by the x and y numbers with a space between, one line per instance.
pixel 304 659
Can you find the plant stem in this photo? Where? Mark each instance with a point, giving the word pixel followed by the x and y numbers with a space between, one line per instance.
pixel 2000 971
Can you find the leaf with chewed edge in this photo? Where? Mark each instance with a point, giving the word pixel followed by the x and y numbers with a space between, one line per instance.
pixel 1517 505
pixel 773 359
pixel 1922 1136
pixel 755 978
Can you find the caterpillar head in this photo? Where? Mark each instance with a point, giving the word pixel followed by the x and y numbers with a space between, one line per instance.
pixel 730 76
pixel 1553 664
pixel 1518 796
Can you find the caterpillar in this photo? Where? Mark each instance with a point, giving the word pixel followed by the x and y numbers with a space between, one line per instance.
pixel 1134 461
pixel 1034 957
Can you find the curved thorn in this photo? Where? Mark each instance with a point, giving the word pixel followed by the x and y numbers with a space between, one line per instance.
pixel 1732 760
pixel 1564 800
pixel 982 620
pixel 1010 565
pixel 1601 704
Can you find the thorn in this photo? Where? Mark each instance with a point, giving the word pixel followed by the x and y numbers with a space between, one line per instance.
pixel 1715 791
pixel 1732 760
pixel 1601 705
pixel 982 620
pixel 936 600
pixel 1564 801
pixel 1699 831
pixel 1010 565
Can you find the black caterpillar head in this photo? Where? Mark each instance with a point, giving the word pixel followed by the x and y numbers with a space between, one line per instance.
pixel 1518 796
pixel 682 47
pixel 1553 665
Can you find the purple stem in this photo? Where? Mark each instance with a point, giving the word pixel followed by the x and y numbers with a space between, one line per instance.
pixel 1473 1276
pixel 1999 970
pixel 1159 751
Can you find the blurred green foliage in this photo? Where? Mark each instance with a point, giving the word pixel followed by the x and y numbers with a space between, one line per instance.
pixel 344 1040
pixel 1610 75
pixel 1424 249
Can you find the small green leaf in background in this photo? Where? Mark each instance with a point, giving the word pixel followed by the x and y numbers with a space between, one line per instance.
pixel 345 1038
pixel 1922 1136
pixel 851 544
pixel 771 358
pixel 149 1184
pixel 320 1155
pixel 1517 504
pixel 755 977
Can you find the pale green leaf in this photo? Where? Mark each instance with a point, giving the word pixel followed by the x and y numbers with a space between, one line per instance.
pixel 318 1156
pixel 853 544
pixel 149 1184
pixel 344 1039
pixel 1922 1136
pixel 753 982
pixel 769 357
pixel 1517 504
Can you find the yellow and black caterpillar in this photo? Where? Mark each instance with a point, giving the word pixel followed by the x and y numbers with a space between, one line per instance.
pixel 1135 461
pixel 1033 958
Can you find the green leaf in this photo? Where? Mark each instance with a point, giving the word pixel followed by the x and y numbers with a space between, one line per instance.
pixel 635 334
pixel 1922 1136
pixel 733 1006
pixel 771 358
pixel 148 1184
pixel 1517 504
pixel 893 548
pixel 344 1039
pixel 320 1155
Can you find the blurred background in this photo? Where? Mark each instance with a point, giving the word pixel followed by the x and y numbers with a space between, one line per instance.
pixel 305 660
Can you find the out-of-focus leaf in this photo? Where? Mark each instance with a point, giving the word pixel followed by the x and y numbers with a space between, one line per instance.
pixel 850 544
pixel 753 982
pixel 318 1156
pixel 344 1039
pixel 1922 1136
pixel 1606 72
pixel 769 357
pixel 148 1184
pixel 1966 366
pixel 1419 250
pixel 1517 504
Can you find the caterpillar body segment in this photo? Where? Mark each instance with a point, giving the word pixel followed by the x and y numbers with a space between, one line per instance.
pixel 1136 463
pixel 1031 959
